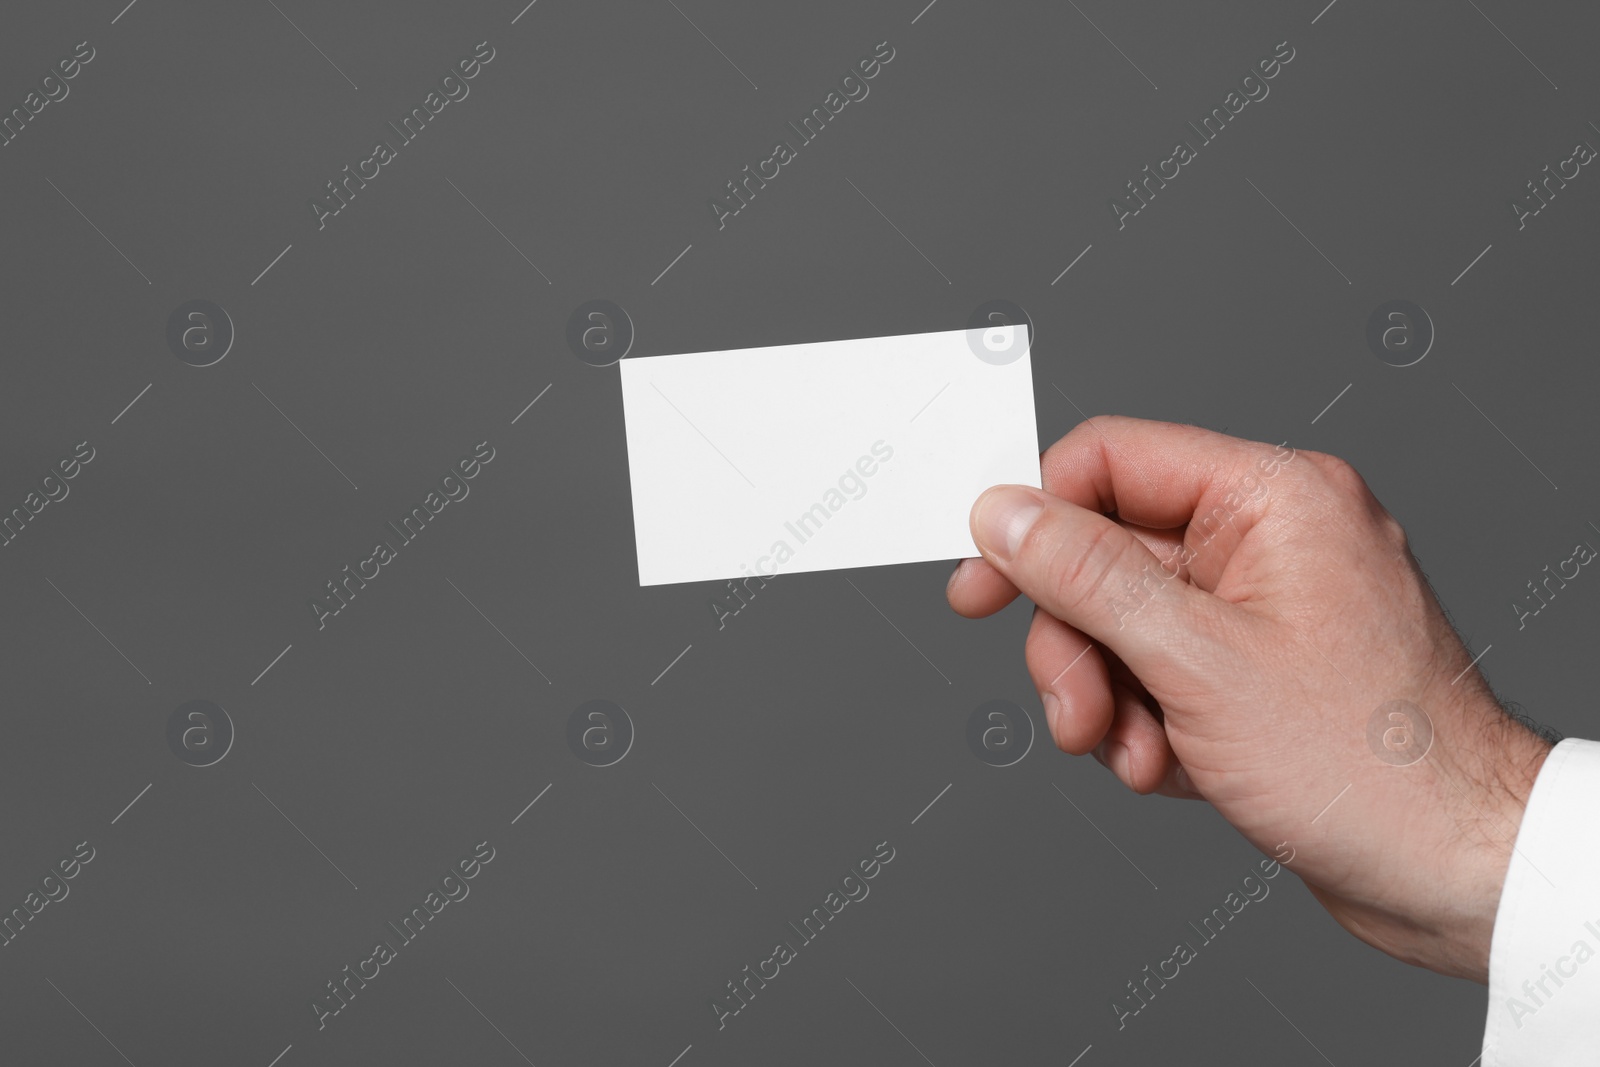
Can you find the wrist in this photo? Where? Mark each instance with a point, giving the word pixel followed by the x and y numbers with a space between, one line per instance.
pixel 1429 895
pixel 1485 792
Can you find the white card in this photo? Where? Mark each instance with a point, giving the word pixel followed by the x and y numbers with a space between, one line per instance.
pixel 809 457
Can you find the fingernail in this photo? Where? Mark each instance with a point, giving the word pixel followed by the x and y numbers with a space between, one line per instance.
pixel 1181 778
pixel 1052 712
pixel 1120 762
pixel 1003 517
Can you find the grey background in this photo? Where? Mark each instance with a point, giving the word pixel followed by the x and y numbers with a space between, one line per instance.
pixel 808 729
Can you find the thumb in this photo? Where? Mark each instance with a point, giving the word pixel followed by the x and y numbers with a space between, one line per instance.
pixel 1090 572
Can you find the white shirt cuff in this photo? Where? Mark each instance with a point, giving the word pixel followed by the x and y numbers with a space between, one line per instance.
pixel 1544 957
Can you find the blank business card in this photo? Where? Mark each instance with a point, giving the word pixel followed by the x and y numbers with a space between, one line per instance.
pixel 859 453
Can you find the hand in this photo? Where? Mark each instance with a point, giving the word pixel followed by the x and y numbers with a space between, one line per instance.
pixel 1223 619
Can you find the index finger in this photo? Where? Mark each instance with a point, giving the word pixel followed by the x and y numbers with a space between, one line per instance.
pixel 1167 475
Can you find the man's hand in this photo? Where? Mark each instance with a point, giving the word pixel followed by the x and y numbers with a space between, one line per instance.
pixel 1223 619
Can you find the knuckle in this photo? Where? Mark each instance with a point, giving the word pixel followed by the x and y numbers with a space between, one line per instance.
pixel 1085 434
pixel 1392 531
pixel 1355 498
pixel 1343 477
pixel 1081 569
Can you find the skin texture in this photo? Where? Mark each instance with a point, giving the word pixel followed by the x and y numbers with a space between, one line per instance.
pixel 1221 619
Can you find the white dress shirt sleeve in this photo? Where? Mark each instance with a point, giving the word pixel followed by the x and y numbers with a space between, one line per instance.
pixel 1544 957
